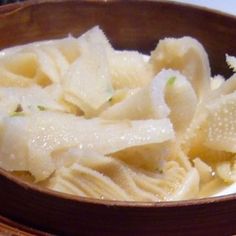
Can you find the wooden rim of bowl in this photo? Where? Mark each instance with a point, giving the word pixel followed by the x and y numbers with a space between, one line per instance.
pixel 10 9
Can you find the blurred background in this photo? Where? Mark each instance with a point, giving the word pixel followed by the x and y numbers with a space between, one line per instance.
pixel 228 6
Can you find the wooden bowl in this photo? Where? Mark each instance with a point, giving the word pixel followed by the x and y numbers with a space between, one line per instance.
pixel 129 25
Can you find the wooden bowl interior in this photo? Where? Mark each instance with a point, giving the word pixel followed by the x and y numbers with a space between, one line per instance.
pixel 129 25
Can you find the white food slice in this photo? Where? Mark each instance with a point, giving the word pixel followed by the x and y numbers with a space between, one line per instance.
pixel 182 101
pixel 13 148
pixel 148 102
pixel 150 157
pixel 9 79
pixel 62 130
pixel 121 94
pixel 226 170
pixel 194 140
pixel 27 99
pixel 222 123
pixel 104 177
pixel 216 82
pixel 69 48
pixel 129 69
pixel 169 93
pixel 94 36
pixel 89 78
pixel 231 61
pixel 22 64
pixel 205 171
pixel 45 132
pixel 56 93
pixel 211 134
pixel 189 188
pixel 47 65
pixel 136 106
pixel 83 108
pixel 60 62
pixel 227 87
pixel 188 56
pixel 44 61
pixel 54 58
pixel 67 45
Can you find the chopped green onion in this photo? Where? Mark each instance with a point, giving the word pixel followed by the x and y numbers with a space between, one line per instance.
pixel 17 113
pixel 41 108
pixel 171 80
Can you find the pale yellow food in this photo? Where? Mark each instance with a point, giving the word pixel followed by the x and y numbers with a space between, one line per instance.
pixel 188 56
pixel 78 116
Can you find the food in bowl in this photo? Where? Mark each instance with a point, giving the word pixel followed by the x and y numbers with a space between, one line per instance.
pixel 79 117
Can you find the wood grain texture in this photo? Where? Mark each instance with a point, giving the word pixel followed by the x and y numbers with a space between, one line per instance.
pixel 129 25
pixel 11 228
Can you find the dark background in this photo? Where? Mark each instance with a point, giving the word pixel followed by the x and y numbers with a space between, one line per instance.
pixel 9 1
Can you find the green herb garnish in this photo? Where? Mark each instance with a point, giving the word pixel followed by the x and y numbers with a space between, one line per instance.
pixel 17 113
pixel 171 80
pixel 41 108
